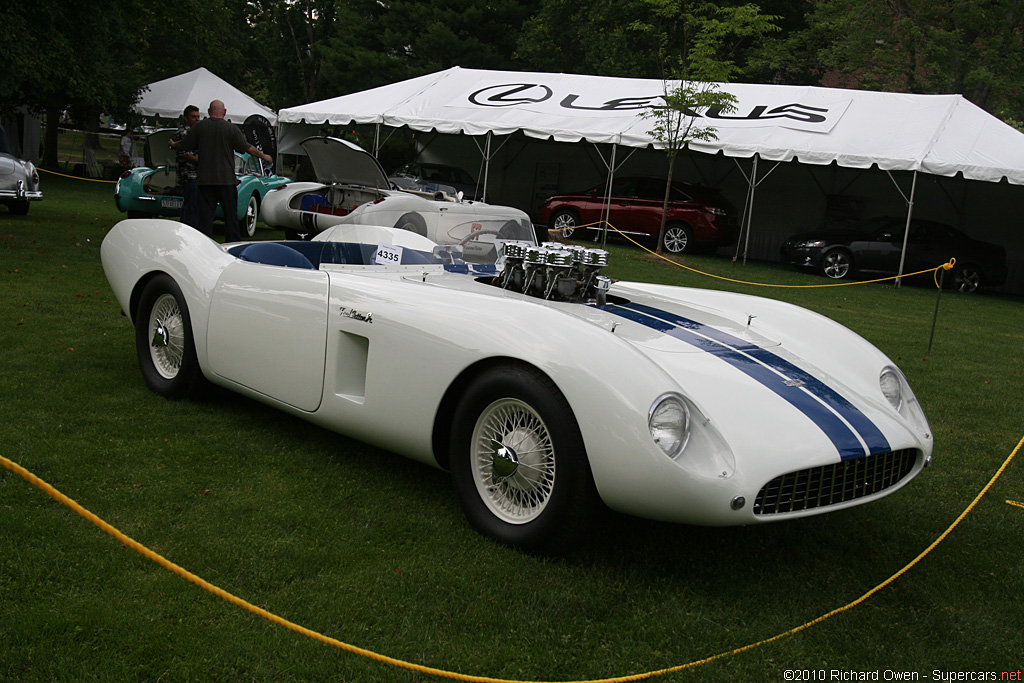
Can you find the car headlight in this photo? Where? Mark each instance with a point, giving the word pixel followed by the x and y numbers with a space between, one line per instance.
pixel 892 387
pixel 669 422
pixel 809 244
pixel 897 392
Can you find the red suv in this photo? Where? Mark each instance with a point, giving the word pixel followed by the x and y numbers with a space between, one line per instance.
pixel 697 216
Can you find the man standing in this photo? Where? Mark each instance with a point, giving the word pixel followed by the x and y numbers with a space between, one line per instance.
pixel 185 167
pixel 215 139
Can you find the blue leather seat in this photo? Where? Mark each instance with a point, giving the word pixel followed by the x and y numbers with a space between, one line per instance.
pixel 274 254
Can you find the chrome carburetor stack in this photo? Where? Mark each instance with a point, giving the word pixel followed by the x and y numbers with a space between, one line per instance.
pixel 560 272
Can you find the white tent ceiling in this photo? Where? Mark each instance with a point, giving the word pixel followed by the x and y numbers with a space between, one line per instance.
pixel 939 134
pixel 169 97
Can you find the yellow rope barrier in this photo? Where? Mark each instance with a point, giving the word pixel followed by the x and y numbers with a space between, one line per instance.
pixel 74 177
pixel 205 585
pixel 1015 504
pixel 944 266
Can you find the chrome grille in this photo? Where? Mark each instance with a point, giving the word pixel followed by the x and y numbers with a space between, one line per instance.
pixel 833 484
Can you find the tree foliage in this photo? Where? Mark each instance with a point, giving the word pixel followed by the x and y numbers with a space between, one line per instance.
pixel 91 56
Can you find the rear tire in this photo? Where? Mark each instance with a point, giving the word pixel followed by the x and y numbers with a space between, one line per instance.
pixel 413 222
pixel 252 214
pixel 678 239
pixel 164 342
pixel 966 278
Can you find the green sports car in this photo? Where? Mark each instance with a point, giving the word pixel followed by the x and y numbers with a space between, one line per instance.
pixel 152 190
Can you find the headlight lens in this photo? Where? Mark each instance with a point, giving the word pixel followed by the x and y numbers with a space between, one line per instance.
pixel 892 387
pixel 669 423
pixel 808 244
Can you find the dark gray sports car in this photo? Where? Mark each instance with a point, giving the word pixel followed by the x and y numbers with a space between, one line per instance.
pixel 873 247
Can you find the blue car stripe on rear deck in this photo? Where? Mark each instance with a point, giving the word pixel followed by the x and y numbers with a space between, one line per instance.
pixel 834 415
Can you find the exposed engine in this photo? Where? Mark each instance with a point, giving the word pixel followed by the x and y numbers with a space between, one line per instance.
pixel 561 272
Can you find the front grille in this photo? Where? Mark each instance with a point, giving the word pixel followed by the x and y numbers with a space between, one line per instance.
pixel 833 484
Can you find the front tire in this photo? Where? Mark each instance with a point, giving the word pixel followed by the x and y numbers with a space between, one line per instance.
pixel 565 222
pixel 518 461
pixel 164 342
pixel 836 264
pixel 252 214
pixel 18 208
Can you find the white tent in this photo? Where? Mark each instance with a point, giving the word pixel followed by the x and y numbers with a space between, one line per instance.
pixel 169 97
pixel 939 134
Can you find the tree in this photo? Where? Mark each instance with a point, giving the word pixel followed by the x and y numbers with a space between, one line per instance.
pixel 973 47
pixel 697 46
pixel 678 122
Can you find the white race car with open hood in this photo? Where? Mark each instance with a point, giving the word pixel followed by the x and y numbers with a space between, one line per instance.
pixel 352 188
pixel 541 385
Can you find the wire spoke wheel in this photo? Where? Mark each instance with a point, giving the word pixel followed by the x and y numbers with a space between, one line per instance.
pixel 522 495
pixel 163 340
pixel 167 336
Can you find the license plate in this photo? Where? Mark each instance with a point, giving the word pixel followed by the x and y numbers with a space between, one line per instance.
pixel 171 202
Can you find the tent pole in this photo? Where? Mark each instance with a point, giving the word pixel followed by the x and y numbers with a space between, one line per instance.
pixel 487 165
pixel 608 199
pixel 750 208
pixel 376 140
pixel 906 230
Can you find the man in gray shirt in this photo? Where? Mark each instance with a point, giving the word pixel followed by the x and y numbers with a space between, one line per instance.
pixel 216 139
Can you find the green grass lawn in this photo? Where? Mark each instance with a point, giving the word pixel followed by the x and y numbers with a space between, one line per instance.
pixel 372 549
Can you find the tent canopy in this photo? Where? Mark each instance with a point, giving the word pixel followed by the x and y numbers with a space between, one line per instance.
pixel 939 134
pixel 169 97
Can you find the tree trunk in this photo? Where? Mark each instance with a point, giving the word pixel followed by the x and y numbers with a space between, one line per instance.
pixel 664 204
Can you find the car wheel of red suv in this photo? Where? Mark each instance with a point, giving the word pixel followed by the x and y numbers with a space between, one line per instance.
pixel 678 238
pixel 564 221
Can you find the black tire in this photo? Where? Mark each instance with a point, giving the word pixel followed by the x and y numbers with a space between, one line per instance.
pixel 413 222
pixel 251 215
pixel 836 264
pixel 138 214
pixel 19 208
pixel 966 278
pixel 565 222
pixel 164 342
pixel 678 238
pixel 515 420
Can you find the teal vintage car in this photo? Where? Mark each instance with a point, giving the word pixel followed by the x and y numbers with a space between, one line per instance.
pixel 152 190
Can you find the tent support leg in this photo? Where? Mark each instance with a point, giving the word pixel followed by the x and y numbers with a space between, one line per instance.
pixel 906 229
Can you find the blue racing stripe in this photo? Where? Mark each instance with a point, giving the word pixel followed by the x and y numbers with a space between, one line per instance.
pixel 821 404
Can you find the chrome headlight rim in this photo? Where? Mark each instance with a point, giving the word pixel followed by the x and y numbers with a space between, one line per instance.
pixel 670 433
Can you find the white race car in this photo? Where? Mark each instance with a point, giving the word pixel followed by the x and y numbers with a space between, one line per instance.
pixel 352 188
pixel 542 386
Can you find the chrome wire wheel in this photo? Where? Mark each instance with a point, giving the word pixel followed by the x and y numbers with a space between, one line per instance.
pixel 252 213
pixel 167 336
pixel 513 461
